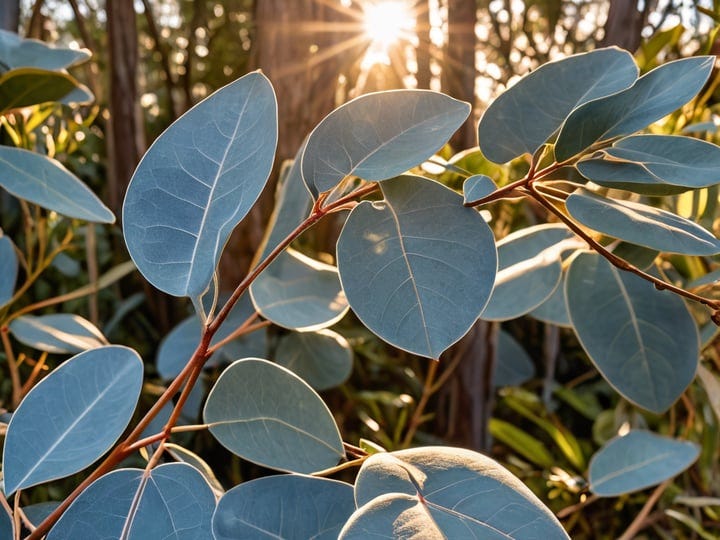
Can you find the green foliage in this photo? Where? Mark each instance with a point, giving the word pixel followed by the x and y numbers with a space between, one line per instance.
pixel 418 265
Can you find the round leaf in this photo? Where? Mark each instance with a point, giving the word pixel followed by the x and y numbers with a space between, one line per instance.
pixel 513 366
pixel 171 501
pixel 476 187
pixel 554 309
pixel 57 333
pixel 547 95
pixel 71 417
pixel 641 224
pixel 197 181
pixel 528 270
pixel 44 181
pixel 380 135
pixel 268 415
pixel 16 51
pixel 299 293
pixel 638 460
pixel 643 341
pixel 8 270
pixel 323 359
pixel 439 492
pixel 418 267
pixel 291 507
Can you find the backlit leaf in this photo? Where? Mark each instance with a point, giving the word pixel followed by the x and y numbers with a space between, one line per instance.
pixel 197 181
pixel 513 366
pixel 322 359
pixel 16 51
pixel 8 269
pixel 380 135
pixel 254 411
pixel 477 186
pixel 26 86
pixel 72 416
pixel 417 267
pixel 57 333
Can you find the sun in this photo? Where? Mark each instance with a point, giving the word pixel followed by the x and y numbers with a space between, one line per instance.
pixel 387 22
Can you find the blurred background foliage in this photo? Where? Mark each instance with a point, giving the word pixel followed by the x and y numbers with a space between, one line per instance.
pixel 154 59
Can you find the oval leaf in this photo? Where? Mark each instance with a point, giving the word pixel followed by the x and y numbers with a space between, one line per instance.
pixel 299 293
pixel 528 270
pixel 44 181
pixel 554 309
pixel 322 359
pixel 643 341
pixel 440 492
pixel 477 187
pixel 60 333
pixel 197 181
pixel 548 95
pixel 418 267
pixel 268 415
pixel 513 365
pixel 654 95
pixel 641 224
pixel 16 51
pixel 8 270
pixel 71 417
pixel 27 86
pixel 291 507
pixel 171 501
pixel 638 460
pixel 655 159
pixel 380 135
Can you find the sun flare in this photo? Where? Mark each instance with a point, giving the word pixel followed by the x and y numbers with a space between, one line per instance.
pixel 387 22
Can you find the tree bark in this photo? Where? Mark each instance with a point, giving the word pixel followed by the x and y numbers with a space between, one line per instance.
pixel 10 15
pixel 423 76
pixel 458 70
pixel 625 23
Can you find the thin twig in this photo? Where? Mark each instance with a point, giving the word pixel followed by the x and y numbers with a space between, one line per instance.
pixel 416 419
pixel 346 465
pixel 12 367
pixel 639 522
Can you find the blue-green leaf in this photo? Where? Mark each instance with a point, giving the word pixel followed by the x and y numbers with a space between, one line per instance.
pixel 529 270
pixel 178 346
pixel 643 341
pixel 417 267
pixel 299 293
pixel 641 224
pixel 8 269
pixel 654 95
pixel 513 366
pixel 476 187
pixel 44 181
pixel 36 513
pixel 197 182
pixel 440 492
pixel 72 416
pixel 378 136
pixel 554 309
pixel 291 507
pixel 16 51
pixel 60 333
pixel 644 162
pixel 322 359
pixel 171 501
pixel 6 526
pixel 638 460
pixel 268 415
pixel 522 118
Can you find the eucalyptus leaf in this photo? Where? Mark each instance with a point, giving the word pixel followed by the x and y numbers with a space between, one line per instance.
pixel 6 526
pixel 522 118
pixel 184 455
pixel 657 160
pixel 72 416
pixel 253 411
pixel 513 365
pixel 299 293
pixel 654 95
pixel 638 460
pixel 291 507
pixel 8 269
pixel 323 359
pixel 641 224
pixel 44 181
pixel 170 501
pixel 16 52
pixel 60 333
pixel 529 270
pixel 197 182
pixel 554 309
pixel 441 492
pixel 24 87
pixel 643 341
pixel 476 187
pixel 417 267
pixel 36 513
pixel 379 136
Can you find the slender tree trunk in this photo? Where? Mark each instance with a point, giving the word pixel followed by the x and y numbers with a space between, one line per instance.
pixel 423 76
pixel 10 15
pixel 625 23
pixel 458 72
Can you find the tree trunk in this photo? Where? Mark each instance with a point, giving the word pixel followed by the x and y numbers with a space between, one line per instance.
pixel 625 23
pixel 10 15
pixel 458 71
pixel 423 76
